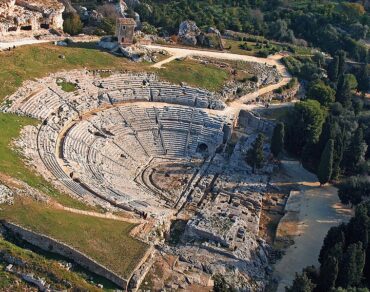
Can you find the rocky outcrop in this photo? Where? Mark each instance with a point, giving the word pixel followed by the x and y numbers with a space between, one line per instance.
pixel 6 195
pixel 30 17
pixel 190 35
pixel 68 6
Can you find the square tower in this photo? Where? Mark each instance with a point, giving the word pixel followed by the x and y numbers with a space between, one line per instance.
pixel 125 31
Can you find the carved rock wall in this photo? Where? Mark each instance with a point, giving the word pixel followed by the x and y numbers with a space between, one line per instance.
pixel 30 17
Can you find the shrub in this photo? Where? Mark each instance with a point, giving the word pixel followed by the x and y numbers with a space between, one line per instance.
pixel 72 24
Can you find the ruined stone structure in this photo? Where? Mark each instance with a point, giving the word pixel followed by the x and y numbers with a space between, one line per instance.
pixel 125 31
pixel 131 141
pixel 249 120
pixel 30 17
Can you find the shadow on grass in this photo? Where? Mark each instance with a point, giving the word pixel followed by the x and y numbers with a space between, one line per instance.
pixel 86 45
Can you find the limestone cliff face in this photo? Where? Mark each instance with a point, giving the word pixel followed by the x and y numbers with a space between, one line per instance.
pixel 30 16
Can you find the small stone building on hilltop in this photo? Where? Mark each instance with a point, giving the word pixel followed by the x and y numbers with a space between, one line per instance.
pixel 125 31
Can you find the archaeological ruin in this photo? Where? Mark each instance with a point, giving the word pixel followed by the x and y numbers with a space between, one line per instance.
pixel 30 17
pixel 165 152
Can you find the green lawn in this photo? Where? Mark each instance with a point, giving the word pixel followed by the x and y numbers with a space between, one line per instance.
pixel 46 268
pixel 195 74
pixel 67 86
pixel 107 241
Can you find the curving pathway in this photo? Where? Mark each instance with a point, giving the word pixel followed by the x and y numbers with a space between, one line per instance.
pixel 274 60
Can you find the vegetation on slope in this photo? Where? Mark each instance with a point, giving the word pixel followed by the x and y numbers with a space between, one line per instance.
pixel 49 269
pixel 107 241
pixel 11 162
pixel 28 62
pixel 330 25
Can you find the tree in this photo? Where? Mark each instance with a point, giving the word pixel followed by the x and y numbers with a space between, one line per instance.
pixel 358 227
pixel 352 266
pixel 301 283
pixel 321 92
pixel 346 84
pixel 328 274
pixel 72 23
pixel 277 140
pixel 355 152
pixel 255 155
pixel 342 62
pixel 333 243
pixel 108 25
pixel 334 69
pixel 304 125
pixel 326 163
pixel 353 190
pixel 363 79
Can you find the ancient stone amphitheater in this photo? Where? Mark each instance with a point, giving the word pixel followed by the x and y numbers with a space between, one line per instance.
pixel 131 141
pixel 97 140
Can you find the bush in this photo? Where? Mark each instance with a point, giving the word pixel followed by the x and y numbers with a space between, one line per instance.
pixel 108 25
pixel 72 24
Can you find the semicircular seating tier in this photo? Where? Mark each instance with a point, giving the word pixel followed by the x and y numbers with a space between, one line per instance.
pixel 97 139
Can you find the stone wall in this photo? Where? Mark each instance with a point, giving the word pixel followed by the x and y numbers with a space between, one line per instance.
pixel 249 120
pixel 52 245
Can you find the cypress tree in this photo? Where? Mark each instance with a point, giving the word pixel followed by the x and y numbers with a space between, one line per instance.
pixel 355 152
pixel 358 227
pixel 277 140
pixel 363 79
pixel 326 163
pixel 333 243
pixel 338 154
pixel 343 91
pixel 334 69
pixel 352 266
pixel 341 62
pixel 255 155
pixel 328 274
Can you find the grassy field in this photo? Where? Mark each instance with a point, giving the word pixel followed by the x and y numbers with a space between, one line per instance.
pixel 44 267
pixel 28 62
pixel 106 241
pixel 195 74
pixel 11 162
pixel 36 61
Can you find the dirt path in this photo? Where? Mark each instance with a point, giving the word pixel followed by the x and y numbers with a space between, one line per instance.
pixel 272 61
pixel 182 52
pixel 319 210
pixel 98 215
pixel 4 45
